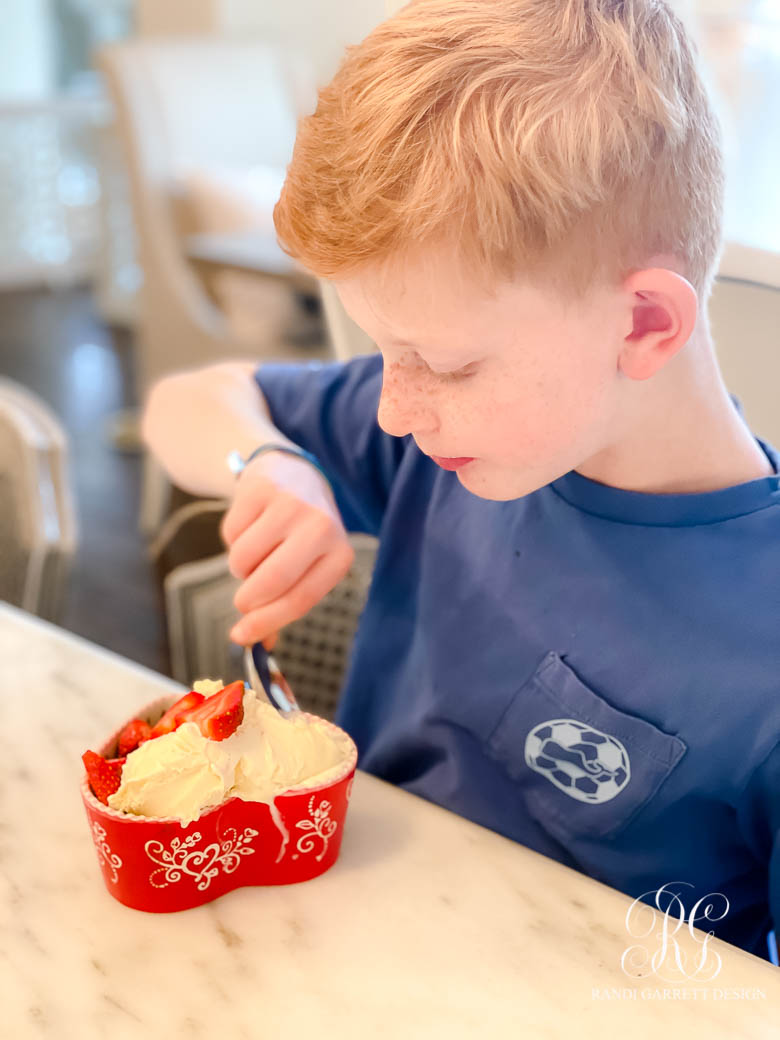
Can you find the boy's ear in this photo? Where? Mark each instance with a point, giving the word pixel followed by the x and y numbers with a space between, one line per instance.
pixel 663 308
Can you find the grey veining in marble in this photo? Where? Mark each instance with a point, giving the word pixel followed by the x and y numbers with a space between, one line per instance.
pixel 427 925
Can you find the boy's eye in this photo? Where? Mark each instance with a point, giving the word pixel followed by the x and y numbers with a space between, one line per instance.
pixel 464 372
pixel 458 373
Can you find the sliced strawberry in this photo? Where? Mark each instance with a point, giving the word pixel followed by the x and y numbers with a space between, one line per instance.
pixel 220 714
pixel 134 733
pixel 105 774
pixel 169 721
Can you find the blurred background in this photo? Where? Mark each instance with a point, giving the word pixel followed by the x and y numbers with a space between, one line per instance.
pixel 143 144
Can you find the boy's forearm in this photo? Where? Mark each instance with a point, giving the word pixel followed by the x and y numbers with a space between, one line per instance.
pixel 193 419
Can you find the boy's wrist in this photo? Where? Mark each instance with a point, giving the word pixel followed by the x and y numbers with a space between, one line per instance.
pixel 237 463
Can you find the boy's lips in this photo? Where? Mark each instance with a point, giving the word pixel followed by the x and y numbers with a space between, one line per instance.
pixel 450 463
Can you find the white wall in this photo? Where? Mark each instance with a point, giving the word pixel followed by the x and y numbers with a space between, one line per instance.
pixel 321 29
pixel 169 17
pixel 26 50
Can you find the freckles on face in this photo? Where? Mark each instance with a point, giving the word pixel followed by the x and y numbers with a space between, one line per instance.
pixel 531 411
pixel 444 418
pixel 531 402
pixel 408 402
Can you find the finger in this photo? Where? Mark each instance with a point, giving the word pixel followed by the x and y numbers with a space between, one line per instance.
pixel 270 641
pixel 285 565
pixel 321 577
pixel 263 535
pixel 249 502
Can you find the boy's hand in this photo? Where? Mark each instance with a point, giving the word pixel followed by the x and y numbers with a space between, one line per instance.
pixel 286 541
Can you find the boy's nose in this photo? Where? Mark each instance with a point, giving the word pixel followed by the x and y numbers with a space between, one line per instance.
pixel 405 404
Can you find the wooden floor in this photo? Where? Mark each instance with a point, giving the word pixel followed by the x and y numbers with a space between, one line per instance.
pixel 55 344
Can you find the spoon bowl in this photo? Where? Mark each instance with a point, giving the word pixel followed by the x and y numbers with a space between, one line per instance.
pixel 266 679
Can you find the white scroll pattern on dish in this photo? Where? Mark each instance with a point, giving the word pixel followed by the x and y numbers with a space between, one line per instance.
pixel 183 859
pixel 112 861
pixel 320 825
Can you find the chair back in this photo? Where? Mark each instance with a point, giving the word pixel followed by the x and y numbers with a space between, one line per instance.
pixel 37 522
pixel 183 103
pixel 313 651
pixel 347 339
pixel 744 313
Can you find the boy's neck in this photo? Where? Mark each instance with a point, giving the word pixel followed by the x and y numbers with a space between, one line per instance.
pixel 681 433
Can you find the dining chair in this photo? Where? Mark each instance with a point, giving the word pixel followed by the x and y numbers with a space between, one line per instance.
pixel 199 613
pixel 744 312
pixel 52 435
pixel 347 339
pixel 313 651
pixel 37 523
pixel 182 105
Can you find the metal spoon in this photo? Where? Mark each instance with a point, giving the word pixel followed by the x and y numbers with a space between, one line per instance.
pixel 266 679
pixel 263 673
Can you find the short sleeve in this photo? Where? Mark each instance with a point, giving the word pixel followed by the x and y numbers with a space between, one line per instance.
pixel 758 812
pixel 330 409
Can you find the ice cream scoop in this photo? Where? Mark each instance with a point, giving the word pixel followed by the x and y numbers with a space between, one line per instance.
pixel 183 773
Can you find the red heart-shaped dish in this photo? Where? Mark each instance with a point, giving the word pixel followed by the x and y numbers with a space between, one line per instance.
pixel 161 865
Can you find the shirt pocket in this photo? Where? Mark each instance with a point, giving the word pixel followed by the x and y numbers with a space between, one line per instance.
pixel 584 767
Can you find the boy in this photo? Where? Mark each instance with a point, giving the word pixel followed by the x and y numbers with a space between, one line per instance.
pixel 571 633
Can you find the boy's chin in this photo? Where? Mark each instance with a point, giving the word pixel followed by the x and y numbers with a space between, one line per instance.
pixel 497 484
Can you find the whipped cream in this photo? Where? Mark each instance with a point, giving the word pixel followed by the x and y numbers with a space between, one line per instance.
pixel 183 773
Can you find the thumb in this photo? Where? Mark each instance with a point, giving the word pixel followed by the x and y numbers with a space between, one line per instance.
pixel 269 642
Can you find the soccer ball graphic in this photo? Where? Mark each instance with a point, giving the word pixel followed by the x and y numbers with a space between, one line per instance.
pixel 587 764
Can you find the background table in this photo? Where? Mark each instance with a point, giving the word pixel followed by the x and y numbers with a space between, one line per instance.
pixel 427 925
pixel 249 252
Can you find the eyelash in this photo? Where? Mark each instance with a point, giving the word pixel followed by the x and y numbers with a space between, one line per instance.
pixel 456 376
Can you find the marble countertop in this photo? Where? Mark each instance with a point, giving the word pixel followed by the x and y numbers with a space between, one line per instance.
pixel 426 925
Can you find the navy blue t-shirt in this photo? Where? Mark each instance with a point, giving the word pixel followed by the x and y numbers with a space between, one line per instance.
pixel 590 671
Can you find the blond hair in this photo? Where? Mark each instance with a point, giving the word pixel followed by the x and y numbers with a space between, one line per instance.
pixel 564 139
